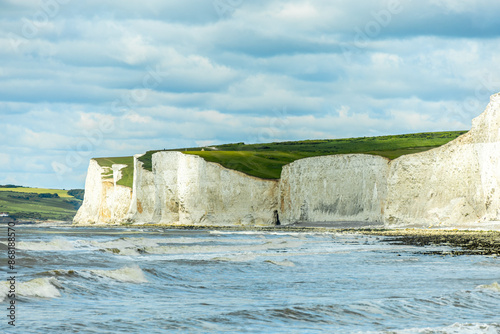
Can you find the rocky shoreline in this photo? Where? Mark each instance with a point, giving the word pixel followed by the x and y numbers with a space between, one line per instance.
pixel 469 242
pixel 465 242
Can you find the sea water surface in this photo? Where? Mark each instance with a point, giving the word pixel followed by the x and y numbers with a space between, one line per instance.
pixel 133 280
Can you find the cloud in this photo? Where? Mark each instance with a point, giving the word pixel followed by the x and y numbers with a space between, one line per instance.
pixel 89 79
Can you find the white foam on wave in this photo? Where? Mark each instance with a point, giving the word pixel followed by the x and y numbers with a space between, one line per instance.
pixel 131 246
pixel 236 258
pixel 284 263
pixel 456 328
pixel 124 246
pixel 132 274
pixel 152 242
pixel 53 245
pixel 197 249
pixel 128 251
pixel 45 287
pixel 116 243
pixel 493 286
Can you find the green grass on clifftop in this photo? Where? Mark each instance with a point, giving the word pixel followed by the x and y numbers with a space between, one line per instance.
pixel 266 160
pixel 127 172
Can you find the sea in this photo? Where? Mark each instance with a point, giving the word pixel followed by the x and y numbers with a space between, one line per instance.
pixel 155 280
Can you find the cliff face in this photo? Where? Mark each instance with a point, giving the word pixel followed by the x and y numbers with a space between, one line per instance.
pixel 190 190
pixel 181 189
pixel 104 201
pixel 348 187
pixel 142 205
pixel 457 183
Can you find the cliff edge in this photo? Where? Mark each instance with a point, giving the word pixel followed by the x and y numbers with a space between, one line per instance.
pixel 455 184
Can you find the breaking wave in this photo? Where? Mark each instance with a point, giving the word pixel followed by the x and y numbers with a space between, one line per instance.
pixel 456 328
pixel 132 274
pixel 133 248
pixel 45 287
pixel 284 263
pixel 493 286
pixel 235 258
pixel 53 245
pixel 275 244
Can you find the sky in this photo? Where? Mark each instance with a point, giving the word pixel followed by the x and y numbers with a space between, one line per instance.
pixel 100 78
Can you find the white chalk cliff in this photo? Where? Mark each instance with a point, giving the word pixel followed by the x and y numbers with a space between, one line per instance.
pixel 350 187
pixel 452 185
pixel 180 190
pixel 457 183
pixel 105 201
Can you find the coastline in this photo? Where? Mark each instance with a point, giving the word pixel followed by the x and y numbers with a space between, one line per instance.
pixel 468 241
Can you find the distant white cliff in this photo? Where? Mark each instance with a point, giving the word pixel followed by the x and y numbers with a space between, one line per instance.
pixel 181 190
pixel 452 185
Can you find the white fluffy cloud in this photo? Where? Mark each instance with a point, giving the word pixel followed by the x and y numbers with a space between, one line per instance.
pixel 87 79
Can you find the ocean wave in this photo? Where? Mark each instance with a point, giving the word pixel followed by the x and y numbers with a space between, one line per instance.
pixel 152 242
pixel 235 258
pixel 284 263
pixel 132 274
pixel 197 249
pixel 44 287
pixel 131 246
pixel 456 328
pixel 53 245
pixel 121 243
pixel 493 286
pixel 127 251
pixel 60 273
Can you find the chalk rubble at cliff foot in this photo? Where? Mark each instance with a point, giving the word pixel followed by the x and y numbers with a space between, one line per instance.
pixel 104 201
pixel 192 191
pixel 452 185
pixel 349 187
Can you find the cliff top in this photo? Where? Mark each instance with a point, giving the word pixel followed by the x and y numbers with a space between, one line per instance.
pixel 266 160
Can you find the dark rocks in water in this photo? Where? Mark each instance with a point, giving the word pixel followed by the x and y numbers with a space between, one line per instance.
pixel 469 242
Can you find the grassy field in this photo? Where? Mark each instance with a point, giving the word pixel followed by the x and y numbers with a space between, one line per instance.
pixel 32 203
pixel 266 160
pixel 62 193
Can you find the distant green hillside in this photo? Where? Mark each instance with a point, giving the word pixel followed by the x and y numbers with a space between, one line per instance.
pixel 266 160
pixel 38 203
